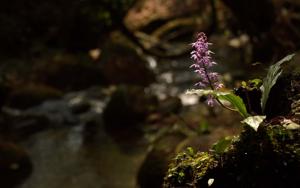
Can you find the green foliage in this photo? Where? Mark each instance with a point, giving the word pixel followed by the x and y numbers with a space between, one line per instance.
pixel 234 100
pixel 251 94
pixel 252 84
pixel 186 169
pixel 190 151
pixel 222 145
pixel 269 157
pixel 271 79
pixel 237 102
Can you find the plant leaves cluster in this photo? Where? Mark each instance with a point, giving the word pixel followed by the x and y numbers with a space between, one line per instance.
pixel 271 79
pixel 252 96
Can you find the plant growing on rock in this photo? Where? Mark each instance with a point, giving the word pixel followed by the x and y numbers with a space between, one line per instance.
pixel 242 100
pixel 266 153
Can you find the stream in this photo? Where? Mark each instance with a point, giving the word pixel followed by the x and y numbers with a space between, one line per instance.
pixel 73 153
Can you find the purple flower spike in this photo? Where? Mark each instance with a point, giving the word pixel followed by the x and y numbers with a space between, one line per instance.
pixel 202 66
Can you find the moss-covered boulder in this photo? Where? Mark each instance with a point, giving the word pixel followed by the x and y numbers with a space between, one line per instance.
pixel 268 157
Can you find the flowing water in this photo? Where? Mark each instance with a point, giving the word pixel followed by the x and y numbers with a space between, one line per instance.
pixel 75 154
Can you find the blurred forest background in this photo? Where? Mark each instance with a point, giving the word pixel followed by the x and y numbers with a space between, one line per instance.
pixel 92 91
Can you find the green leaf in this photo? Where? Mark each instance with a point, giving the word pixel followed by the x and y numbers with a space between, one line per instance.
pixel 237 102
pixel 254 121
pixel 257 82
pixel 222 145
pixel 270 80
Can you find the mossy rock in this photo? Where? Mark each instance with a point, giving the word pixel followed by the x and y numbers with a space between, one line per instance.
pixel 152 171
pixel 269 157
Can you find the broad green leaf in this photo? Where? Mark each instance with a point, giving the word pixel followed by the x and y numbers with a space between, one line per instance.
pixel 270 80
pixel 222 145
pixel 254 121
pixel 237 102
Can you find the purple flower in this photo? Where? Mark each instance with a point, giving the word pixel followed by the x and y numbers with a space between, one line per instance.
pixel 202 66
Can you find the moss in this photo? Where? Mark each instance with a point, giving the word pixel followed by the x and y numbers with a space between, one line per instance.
pixel 187 169
pixel 269 157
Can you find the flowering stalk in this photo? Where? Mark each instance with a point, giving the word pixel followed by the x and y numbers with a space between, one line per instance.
pixel 202 64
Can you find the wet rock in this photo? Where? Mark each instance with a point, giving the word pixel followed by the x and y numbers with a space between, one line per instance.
pixel 90 131
pixel 18 126
pixel 127 109
pixel 68 72
pixel 128 106
pixel 56 111
pixel 154 168
pixel 171 105
pixel 29 95
pixel 269 157
pixel 15 165
pixel 80 108
pixel 122 65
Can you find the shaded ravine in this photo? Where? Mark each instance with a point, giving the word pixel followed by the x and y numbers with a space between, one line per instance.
pixel 77 151
pixel 83 155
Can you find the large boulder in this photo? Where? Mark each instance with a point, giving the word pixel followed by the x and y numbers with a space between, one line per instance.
pixel 15 165
pixel 269 157
pixel 127 108
pixel 265 157
pixel 123 65
pixel 152 171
